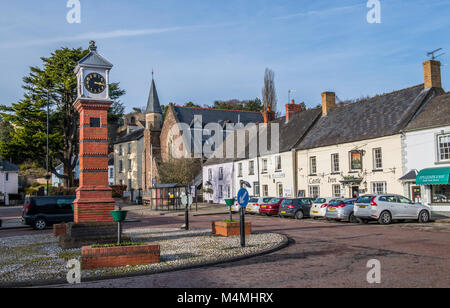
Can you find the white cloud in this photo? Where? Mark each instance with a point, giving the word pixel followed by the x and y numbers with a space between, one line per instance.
pixel 329 11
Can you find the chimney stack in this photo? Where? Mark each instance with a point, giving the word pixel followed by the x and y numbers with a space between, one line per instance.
pixel 432 74
pixel 269 116
pixel 291 109
pixel 328 102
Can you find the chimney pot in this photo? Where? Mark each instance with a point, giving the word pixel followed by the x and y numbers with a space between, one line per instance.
pixel 432 74
pixel 291 109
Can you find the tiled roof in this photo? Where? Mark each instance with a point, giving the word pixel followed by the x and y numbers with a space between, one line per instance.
pixel 434 114
pixel 375 117
pixel 186 115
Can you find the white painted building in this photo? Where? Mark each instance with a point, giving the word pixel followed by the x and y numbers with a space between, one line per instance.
pixel 9 180
pixel 218 182
pixel 426 155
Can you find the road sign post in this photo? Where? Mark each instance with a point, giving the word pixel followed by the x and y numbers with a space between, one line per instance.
pixel 243 199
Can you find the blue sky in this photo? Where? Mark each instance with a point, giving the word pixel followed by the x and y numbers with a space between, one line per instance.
pixel 206 50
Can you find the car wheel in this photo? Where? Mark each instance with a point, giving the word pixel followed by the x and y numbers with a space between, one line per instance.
pixel 40 224
pixel 299 215
pixel 385 218
pixel 352 219
pixel 424 217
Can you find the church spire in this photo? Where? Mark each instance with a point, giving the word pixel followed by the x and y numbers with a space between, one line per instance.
pixel 153 105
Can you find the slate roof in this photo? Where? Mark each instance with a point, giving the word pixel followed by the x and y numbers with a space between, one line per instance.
pixel 94 59
pixel 375 117
pixel 434 114
pixel 134 135
pixel 410 176
pixel 291 133
pixel 186 115
pixel 153 105
pixel 6 166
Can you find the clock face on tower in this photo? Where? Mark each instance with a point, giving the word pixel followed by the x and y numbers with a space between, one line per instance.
pixel 95 83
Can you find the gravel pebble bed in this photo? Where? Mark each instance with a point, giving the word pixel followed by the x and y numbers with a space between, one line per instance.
pixel 39 257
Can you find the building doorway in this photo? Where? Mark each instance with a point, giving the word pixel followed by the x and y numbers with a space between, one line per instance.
pixel 355 192
pixel 416 193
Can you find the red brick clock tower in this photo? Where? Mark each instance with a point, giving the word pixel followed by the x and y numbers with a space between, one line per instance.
pixel 94 196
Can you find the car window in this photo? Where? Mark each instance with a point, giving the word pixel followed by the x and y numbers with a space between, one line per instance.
pixel 265 200
pixel 335 202
pixel 404 200
pixel 64 203
pixel 288 202
pixel 44 201
pixel 349 202
pixel 253 200
pixel 275 201
pixel 304 201
pixel 365 199
pixel 320 200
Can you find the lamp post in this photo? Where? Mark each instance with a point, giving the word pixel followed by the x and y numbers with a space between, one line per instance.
pixel 48 111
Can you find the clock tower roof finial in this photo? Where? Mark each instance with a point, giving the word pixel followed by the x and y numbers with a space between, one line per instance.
pixel 93 59
pixel 92 46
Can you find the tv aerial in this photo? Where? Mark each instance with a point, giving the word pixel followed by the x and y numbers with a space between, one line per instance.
pixel 432 54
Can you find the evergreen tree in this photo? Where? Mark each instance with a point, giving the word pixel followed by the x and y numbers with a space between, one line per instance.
pixel 54 85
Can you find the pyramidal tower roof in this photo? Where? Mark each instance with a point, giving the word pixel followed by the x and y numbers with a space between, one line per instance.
pixel 153 105
pixel 93 59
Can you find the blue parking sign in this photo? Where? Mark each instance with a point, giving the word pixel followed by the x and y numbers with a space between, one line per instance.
pixel 243 197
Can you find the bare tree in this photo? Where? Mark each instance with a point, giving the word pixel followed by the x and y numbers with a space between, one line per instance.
pixel 269 94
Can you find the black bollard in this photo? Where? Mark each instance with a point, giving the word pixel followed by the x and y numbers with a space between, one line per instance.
pixel 242 227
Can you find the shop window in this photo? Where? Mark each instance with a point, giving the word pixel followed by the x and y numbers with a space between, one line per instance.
pixel 440 193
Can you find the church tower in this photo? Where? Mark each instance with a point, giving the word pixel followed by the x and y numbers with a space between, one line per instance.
pixel 152 134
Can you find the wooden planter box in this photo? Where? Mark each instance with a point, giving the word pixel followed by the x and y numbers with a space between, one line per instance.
pixel 59 230
pixel 230 228
pixel 94 258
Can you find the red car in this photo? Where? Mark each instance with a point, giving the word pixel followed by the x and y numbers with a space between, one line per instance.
pixel 271 208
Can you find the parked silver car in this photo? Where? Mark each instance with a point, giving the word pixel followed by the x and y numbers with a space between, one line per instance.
pixel 386 208
pixel 341 210
pixel 255 203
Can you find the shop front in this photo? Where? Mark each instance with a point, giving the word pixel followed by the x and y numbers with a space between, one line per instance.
pixel 435 183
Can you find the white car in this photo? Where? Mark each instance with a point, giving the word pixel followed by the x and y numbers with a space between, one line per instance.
pixel 386 208
pixel 319 207
pixel 255 203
